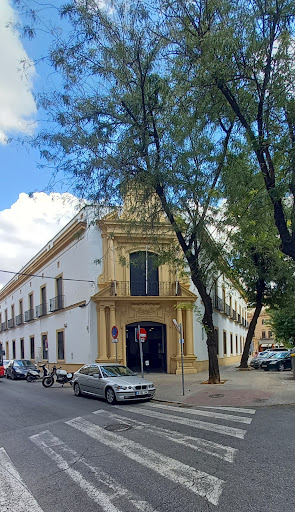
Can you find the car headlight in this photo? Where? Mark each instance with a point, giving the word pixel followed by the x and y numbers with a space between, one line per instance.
pixel 120 387
pixel 151 386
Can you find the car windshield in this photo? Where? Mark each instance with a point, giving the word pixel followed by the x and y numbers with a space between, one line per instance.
pixel 279 355
pixel 23 362
pixel 116 371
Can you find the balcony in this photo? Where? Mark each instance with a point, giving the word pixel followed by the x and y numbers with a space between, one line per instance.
pixel 154 288
pixel 11 323
pixel 19 319
pixel 4 326
pixel 41 310
pixel 29 315
pixel 56 303
pixel 218 303
pixel 227 309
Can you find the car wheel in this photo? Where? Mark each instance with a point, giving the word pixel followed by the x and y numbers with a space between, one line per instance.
pixel 110 396
pixel 12 376
pixel 77 389
pixel 281 367
pixel 265 369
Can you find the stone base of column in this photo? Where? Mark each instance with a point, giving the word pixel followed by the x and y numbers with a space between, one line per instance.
pixel 112 359
pixel 101 360
pixel 188 364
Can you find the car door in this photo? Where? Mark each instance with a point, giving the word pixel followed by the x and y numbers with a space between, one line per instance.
pixel 287 362
pixel 82 378
pixel 94 381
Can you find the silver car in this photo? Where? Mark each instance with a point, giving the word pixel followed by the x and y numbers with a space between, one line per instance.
pixel 113 382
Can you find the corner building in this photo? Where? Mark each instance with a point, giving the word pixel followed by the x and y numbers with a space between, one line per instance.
pixel 95 274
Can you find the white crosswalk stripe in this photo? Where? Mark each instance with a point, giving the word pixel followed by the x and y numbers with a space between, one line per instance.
pixel 210 414
pixel 14 494
pixel 198 482
pixel 233 409
pixel 196 443
pixel 66 457
pixel 183 420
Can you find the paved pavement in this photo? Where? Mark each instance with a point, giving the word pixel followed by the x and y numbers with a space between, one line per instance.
pixel 241 387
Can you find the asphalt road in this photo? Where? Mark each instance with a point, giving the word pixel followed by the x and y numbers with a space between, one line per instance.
pixel 64 453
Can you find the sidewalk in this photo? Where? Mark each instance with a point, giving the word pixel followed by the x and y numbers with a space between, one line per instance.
pixel 241 388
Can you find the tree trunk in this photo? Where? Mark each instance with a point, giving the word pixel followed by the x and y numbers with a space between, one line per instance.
pixel 259 303
pixel 212 340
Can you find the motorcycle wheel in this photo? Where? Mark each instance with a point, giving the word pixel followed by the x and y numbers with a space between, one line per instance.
pixel 47 382
pixel 29 378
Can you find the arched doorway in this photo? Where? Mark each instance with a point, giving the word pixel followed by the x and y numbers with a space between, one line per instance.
pixel 154 349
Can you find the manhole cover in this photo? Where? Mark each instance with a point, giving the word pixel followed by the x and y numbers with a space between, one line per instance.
pixel 118 427
pixel 218 395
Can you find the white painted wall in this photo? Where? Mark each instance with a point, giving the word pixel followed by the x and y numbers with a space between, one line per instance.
pixel 77 261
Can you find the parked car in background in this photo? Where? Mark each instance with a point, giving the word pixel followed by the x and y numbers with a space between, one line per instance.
pixel 113 382
pixel 262 356
pixel 279 361
pixel 18 368
pixel 5 364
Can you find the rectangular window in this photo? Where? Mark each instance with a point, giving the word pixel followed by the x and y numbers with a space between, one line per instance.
pixel 13 350
pixel 60 346
pixel 44 346
pixel 231 344
pixel 263 334
pixel 237 348
pixel 7 350
pixel 22 348
pixel 269 334
pixel 224 343
pixel 32 347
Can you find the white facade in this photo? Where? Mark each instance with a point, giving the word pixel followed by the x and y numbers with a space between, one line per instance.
pixel 61 306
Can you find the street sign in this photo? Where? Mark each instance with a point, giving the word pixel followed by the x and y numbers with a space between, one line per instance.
pixel 115 332
pixel 115 340
pixel 143 335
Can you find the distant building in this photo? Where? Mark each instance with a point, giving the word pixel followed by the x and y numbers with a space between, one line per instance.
pixel 93 275
pixel 263 336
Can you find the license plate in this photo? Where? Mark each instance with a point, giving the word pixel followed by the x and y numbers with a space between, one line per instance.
pixel 141 392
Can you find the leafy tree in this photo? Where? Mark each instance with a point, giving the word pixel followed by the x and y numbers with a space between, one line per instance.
pixel 282 321
pixel 257 260
pixel 243 53
pixel 122 125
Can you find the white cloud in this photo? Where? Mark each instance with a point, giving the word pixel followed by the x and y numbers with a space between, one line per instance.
pixel 29 224
pixel 17 105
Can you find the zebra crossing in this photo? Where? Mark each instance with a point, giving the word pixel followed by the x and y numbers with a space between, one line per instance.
pixel 187 428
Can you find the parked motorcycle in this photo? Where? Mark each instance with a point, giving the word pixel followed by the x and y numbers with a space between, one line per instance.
pixel 60 375
pixel 33 375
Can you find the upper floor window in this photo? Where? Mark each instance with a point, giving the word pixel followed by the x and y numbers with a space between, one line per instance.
pixel 263 334
pixel 144 273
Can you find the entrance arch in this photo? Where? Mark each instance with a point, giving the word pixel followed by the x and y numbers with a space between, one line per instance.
pixel 154 349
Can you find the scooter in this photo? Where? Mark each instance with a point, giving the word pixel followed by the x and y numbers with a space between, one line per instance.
pixel 60 375
pixel 33 375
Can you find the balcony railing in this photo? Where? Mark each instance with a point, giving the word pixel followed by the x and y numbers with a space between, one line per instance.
pixel 29 315
pixel 218 303
pixel 4 326
pixel 41 310
pixel 154 288
pixel 57 303
pixel 227 309
pixel 19 319
pixel 10 323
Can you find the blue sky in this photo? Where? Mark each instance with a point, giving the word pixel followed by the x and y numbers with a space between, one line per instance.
pixel 26 224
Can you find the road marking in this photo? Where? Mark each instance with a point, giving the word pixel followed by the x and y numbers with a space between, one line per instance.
pixel 65 457
pixel 233 409
pixel 220 451
pixel 197 412
pixel 14 494
pixel 182 420
pixel 200 483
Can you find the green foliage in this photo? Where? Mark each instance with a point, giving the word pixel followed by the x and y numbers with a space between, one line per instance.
pixel 283 323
